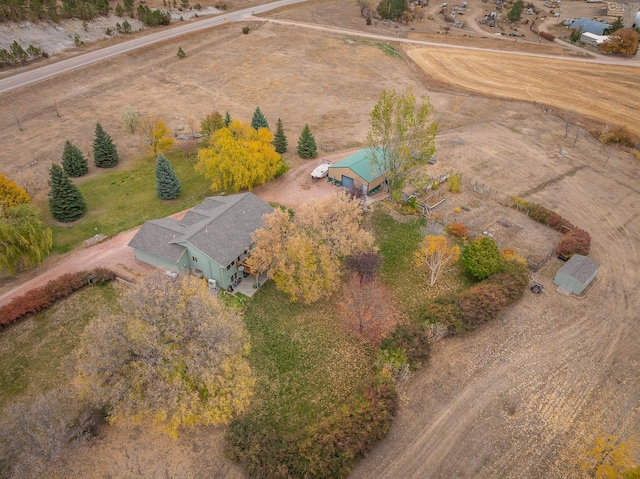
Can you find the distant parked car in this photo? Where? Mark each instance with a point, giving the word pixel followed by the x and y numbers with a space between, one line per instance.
pixel 432 160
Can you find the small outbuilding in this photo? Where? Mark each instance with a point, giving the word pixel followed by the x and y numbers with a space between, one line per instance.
pixel 576 274
pixel 593 39
pixel 357 171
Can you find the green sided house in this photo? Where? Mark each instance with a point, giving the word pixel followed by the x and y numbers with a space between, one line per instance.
pixel 211 240
pixel 356 171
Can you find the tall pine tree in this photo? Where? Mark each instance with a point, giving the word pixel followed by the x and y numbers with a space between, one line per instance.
pixel 65 200
pixel 227 120
pixel 259 120
pixel 73 161
pixel 105 154
pixel 167 183
pixel 307 144
pixel 280 139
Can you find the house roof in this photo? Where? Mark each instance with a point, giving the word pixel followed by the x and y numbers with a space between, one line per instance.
pixel 155 237
pixel 589 26
pixel 579 267
pixel 220 227
pixel 360 164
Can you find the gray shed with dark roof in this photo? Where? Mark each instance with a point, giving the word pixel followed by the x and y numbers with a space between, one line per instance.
pixel 212 239
pixel 576 274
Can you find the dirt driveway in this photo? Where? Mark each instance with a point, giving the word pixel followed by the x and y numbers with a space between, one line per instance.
pixel 523 395
pixel 292 189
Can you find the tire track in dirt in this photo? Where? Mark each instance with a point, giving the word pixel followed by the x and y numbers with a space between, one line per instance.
pixel 524 395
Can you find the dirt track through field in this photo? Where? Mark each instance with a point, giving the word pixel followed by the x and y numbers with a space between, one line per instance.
pixel 524 396
pixel 521 396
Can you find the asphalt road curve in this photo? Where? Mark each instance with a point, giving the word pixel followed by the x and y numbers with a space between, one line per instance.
pixel 27 78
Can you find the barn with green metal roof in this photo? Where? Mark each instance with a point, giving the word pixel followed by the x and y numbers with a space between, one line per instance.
pixel 357 171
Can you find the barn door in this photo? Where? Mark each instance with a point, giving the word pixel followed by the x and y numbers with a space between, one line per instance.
pixel 347 182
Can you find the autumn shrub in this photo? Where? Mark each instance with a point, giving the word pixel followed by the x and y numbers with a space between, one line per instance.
pixel 557 222
pixel 576 241
pixel 482 303
pixel 446 311
pixel 329 448
pixel 458 229
pixel 520 203
pixel 540 213
pixel 41 298
pixel 547 36
pixel 413 339
pixel 513 278
pixel 620 136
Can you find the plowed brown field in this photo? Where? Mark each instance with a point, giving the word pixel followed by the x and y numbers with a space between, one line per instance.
pixel 605 93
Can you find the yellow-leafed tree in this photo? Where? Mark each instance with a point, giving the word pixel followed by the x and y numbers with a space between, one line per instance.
pixel 303 253
pixel 154 134
pixel 611 455
pixel 239 157
pixel 174 354
pixel 437 255
pixel 11 194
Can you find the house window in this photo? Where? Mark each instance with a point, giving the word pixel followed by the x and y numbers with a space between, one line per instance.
pixel 194 259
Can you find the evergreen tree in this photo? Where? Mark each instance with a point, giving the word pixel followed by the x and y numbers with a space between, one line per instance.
pixel 259 120
pixel 227 120
pixel 167 183
pixel 307 144
pixel 65 200
pixel 279 139
pixel 105 154
pixel 73 161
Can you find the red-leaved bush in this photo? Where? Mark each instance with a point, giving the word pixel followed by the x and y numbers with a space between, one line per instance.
pixel 41 298
pixel 557 222
pixel 576 241
pixel 482 303
pixel 458 229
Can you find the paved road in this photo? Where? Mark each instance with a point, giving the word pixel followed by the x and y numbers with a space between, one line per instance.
pixel 48 71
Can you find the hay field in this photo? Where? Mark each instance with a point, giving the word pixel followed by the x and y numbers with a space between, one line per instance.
pixel 604 93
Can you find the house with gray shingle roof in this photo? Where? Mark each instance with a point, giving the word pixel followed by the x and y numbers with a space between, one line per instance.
pixel 211 240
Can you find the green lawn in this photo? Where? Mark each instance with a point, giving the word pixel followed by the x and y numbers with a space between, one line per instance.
pixel 125 197
pixel 398 242
pixel 36 353
pixel 306 364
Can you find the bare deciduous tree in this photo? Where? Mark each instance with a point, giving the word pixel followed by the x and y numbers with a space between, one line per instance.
pixel 37 433
pixel 367 309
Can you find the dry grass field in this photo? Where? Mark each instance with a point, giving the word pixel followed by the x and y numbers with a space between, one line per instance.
pixel 521 397
pixel 604 93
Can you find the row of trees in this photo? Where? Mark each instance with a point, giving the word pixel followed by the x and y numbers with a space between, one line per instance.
pixel 65 199
pixel 17 54
pixel 19 10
